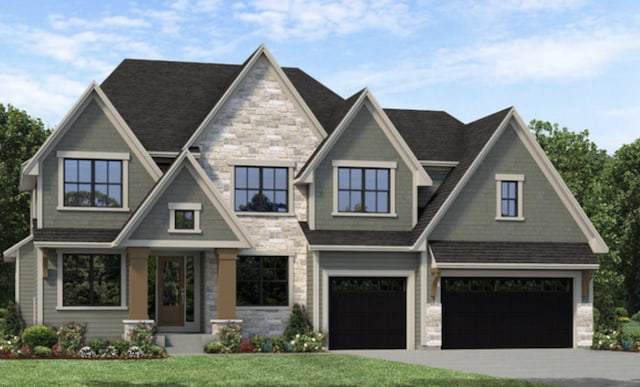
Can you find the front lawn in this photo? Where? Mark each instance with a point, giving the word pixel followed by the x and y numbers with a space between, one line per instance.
pixel 249 369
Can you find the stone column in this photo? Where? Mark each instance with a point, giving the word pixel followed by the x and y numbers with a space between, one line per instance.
pixel 226 303
pixel 138 261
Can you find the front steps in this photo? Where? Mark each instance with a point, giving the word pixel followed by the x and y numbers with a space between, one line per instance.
pixel 184 343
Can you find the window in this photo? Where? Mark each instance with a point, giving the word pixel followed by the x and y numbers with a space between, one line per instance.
pixel 92 183
pixel 509 197
pixel 363 190
pixel 91 280
pixel 261 189
pixel 262 281
pixel 184 218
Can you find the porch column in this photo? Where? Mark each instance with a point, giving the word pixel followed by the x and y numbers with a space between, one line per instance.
pixel 226 303
pixel 138 261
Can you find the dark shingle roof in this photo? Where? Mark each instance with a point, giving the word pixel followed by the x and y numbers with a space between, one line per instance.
pixel 512 252
pixel 74 235
pixel 356 237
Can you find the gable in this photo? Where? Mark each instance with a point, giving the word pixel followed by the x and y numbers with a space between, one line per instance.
pixel 184 188
pixel 471 216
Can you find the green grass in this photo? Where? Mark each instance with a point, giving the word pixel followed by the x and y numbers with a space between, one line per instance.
pixel 245 369
pixel 632 328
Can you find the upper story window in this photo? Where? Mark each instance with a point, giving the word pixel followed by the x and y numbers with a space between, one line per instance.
pixel 93 181
pixel 184 218
pixel 364 188
pixel 509 192
pixel 261 189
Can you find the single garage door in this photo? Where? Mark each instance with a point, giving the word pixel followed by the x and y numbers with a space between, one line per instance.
pixel 367 313
pixel 507 313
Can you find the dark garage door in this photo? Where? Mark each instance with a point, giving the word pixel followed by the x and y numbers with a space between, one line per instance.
pixel 367 313
pixel 507 313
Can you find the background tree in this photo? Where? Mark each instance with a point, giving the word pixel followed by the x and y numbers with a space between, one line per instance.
pixel 20 137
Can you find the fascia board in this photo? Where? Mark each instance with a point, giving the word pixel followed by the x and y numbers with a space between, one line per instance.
pixel 597 244
pixel 464 179
pixel 12 251
pixel 515 266
pixel 359 248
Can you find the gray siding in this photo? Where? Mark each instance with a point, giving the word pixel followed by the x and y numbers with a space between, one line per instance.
pixel 363 140
pixel 377 261
pixel 437 175
pixel 27 276
pixel 91 132
pixel 472 215
pixel 105 324
pixel 184 188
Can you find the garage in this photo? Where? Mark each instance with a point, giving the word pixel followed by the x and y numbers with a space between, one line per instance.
pixel 367 313
pixel 507 312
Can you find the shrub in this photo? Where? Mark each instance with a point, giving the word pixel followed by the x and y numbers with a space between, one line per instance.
pixel 278 344
pixel 157 350
pixel 109 352
pixel 135 352
pixel 606 340
pixel 25 351
pixel 636 316
pixel 39 335
pixel 41 351
pixel 86 353
pixel 621 312
pixel 98 345
pixel 247 347
pixel 121 345
pixel 9 346
pixel 142 336
pixel 623 319
pixel 71 338
pixel 3 312
pixel 298 323
pixel 259 342
pixel 230 336
pixel 12 325
pixel 214 347
pixel 310 342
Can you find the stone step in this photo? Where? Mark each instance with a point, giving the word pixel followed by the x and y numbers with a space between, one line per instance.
pixel 184 343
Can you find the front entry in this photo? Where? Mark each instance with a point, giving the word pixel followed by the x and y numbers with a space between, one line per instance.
pixel 171 291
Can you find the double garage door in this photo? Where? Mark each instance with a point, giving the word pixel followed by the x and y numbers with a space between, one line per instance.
pixel 507 312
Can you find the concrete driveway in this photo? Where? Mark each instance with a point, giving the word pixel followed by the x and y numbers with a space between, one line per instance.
pixel 562 367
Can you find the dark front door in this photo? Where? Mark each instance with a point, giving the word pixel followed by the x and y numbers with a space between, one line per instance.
pixel 367 312
pixel 171 291
pixel 507 313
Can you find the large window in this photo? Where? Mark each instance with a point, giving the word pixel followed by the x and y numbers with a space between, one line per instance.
pixel 261 189
pixel 262 281
pixel 509 197
pixel 92 183
pixel 91 280
pixel 363 190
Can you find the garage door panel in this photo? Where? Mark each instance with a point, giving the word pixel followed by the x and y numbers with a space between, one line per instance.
pixel 489 314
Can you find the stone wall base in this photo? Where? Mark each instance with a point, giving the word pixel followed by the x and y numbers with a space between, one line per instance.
pixel 433 325
pixel 584 325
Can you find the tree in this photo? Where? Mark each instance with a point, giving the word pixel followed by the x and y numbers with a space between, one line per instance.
pixel 623 184
pixel 20 137
pixel 584 167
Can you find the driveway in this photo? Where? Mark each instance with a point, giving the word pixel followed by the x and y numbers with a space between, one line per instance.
pixel 562 367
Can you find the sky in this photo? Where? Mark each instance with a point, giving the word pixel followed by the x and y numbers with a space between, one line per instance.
pixel 571 62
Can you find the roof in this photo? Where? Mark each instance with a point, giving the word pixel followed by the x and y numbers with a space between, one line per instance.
pixel 465 252
pixel 355 237
pixel 90 235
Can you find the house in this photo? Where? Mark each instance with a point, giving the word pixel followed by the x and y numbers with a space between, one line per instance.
pixel 192 194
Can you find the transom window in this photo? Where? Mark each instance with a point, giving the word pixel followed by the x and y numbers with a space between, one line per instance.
pixel 184 218
pixel 363 190
pixel 509 196
pixel 261 189
pixel 92 183
pixel 91 280
pixel 262 281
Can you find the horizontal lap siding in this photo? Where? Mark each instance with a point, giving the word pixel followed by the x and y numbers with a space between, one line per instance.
pixel 27 278
pixel 374 261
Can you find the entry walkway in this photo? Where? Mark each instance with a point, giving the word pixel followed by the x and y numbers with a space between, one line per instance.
pixel 562 367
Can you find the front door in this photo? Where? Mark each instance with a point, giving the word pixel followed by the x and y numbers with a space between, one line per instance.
pixel 171 291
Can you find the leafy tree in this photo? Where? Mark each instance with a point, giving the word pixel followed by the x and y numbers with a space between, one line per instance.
pixel 20 137
pixel 623 185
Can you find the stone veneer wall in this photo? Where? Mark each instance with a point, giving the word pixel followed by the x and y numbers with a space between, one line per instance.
pixel 584 325
pixel 261 122
pixel 433 322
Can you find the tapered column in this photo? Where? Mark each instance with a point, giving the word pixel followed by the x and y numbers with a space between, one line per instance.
pixel 138 282
pixel 226 303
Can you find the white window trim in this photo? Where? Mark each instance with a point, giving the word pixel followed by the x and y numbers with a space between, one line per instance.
pixel 123 282
pixel 195 207
pixel 116 156
pixel 392 166
pixel 519 179
pixel 289 164
pixel 249 253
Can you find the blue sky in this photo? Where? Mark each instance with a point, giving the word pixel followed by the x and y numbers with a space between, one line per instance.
pixel 574 62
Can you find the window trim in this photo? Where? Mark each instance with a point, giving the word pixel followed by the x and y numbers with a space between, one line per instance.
pixel 519 179
pixel 252 253
pixel 123 280
pixel 392 166
pixel 109 156
pixel 195 207
pixel 288 164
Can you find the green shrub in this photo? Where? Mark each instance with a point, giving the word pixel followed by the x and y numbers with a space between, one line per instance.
pixel 121 345
pixel 12 321
pixel 3 312
pixel 157 350
pixel 41 351
pixel 71 338
pixel 623 319
pixel 259 342
pixel 230 336
pixel 298 323
pixel 621 312
pixel 214 347
pixel 109 352
pixel 39 336
pixel 636 316
pixel 142 336
pixel 310 342
pixel 98 345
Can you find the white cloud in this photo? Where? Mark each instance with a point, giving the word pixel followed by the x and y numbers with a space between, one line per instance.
pixel 59 22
